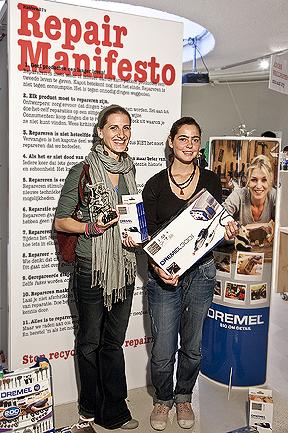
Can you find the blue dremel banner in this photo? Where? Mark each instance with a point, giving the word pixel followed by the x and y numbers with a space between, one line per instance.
pixel 237 338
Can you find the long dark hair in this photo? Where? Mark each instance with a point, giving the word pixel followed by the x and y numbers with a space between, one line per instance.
pixel 175 128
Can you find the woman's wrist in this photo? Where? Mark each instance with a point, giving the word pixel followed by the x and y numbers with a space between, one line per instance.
pixel 91 229
pixel 154 265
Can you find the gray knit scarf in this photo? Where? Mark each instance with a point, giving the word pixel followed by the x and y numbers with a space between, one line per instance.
pixel 113 265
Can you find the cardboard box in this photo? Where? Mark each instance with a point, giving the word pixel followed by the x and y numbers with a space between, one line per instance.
pixel 26 403
pixel 246 429
pixel 261 409
pixel 132 218
pixel 195 230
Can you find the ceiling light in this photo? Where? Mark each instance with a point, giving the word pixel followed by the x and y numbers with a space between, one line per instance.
pixel 264 64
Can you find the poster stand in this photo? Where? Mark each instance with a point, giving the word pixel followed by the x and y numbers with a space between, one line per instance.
pixel 235 334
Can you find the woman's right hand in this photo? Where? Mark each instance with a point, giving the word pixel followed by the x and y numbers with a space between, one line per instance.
pixel 166 278
pixel 103 226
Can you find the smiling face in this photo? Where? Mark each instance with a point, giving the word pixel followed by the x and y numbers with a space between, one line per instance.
pixel 258 185
pixel 116 134
pixel 186 143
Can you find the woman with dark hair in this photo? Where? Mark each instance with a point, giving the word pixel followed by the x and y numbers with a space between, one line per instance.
pixel 104 271
pixel 178 305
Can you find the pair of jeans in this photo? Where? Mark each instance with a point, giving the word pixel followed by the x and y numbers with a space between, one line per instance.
pixel 178 311
pixel 100 356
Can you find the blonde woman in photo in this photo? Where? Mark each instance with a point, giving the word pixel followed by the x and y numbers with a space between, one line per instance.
pixel 254 204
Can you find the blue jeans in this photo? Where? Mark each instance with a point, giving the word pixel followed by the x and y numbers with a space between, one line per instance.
pixel 100 357
pixel 179 310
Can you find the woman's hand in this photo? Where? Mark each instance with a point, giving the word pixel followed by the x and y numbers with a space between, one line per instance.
pixel 103 226
pixel 232 230
pixel 166 278
pixel 129 242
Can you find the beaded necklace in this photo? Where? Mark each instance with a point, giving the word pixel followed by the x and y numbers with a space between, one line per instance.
pixel 182 185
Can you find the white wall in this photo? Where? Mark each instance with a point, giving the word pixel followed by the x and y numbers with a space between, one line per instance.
pixel 255 105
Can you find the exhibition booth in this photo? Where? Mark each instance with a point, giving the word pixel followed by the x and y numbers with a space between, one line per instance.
pixel 64 65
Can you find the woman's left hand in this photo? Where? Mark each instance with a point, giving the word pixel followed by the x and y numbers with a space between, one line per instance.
pixel 232 230
pixel 129 242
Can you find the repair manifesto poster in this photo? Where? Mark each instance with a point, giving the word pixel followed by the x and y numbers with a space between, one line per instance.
pixel 66 63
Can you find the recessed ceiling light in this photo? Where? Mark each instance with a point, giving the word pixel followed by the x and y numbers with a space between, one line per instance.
pixel 264 64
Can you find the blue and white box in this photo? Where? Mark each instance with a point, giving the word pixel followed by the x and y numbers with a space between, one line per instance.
pixel 189 235
pixel 26 403
pixel 132 218
pixel 261 409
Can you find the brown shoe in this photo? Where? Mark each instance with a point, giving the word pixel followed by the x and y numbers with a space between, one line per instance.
pixel 159 416
pixel 185 415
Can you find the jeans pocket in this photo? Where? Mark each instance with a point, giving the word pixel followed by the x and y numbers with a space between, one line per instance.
pixel 208 270
pixel 154 282
pixel 83 267
pixel 80 272
pixel 82 279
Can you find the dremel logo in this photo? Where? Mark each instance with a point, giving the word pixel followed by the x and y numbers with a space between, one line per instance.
pixel 11 412
pixel 15 392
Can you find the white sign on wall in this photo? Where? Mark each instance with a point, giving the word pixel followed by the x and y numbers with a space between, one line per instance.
pixel 66 63
pixel 278 74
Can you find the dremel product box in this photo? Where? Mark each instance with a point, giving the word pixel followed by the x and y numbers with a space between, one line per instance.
pixel 261 409
pixel 26 403
pixel 246 429
pixel 132 218
pixel 191 233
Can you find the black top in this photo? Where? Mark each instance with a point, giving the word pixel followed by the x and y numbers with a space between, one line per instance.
pixel 160 203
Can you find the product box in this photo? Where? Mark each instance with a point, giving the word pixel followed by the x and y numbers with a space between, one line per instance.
pixel 261 409
pixel 132 218
pixel 26 403
pixel 191 233
pixel 246 429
